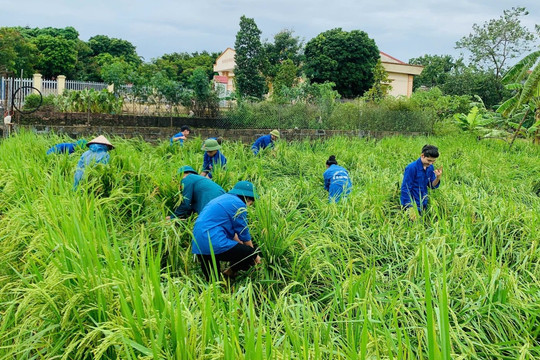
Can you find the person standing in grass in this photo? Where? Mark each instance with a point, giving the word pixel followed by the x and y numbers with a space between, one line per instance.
pixel 417 178
pixel 181 136
pixel 212 157
pixel 66 147
pixel 197 191
pixel 336 180
pixel 265 141
pixel 221 232
pixel 98 153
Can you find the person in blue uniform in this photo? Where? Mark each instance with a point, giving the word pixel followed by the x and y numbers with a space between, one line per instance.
pixel 197 191
pixel 98 153
pixel 221 232
pixel 180 137
pixel 265 141
pixel 417 178
pixel 336 180
pixel 66 147
pixel 212 157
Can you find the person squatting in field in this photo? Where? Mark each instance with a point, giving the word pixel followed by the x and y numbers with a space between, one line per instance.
pixel 336 180
pixel 212 157
pixel 97 154
pixel 221 232
pixel 417 178
pixel 179 138
pixel 66 147
pixel 197 191
pixel 265 141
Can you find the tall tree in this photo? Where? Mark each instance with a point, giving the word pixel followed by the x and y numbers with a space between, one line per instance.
pixel 249 59
pixel 436 70
pixel 285 47
pixel 16 52
pixel 498 40
pixel 58 55
pixel 345 58
pixel 116 47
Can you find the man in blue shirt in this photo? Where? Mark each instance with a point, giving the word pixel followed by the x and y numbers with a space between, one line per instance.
pixel 66 147
pixel 212 157
pixel 97 154
pixel 265 141
pixel 221 232
pixel 197 191
pixel 181 136
pixel 418 176
pixel 336 180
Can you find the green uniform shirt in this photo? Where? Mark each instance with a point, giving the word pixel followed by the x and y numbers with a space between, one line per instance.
pixel 197 191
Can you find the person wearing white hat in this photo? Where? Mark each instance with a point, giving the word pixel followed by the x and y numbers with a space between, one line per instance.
pixel 98 153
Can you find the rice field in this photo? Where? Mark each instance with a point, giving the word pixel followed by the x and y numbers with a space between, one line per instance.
pixel 99 273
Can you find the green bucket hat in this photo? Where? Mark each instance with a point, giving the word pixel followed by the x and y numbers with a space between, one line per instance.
pixel 187 169
pixel 211 145
pixel 244 188
pixel 275 133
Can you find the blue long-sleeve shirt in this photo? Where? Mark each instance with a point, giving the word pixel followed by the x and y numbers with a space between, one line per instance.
pixel 416 181
pixel 179 141
pixel 262 143
pixel 62 148
pixel 210 161
pixel 216 225
pixel 97 154
pixel 337 182
pixel 197 192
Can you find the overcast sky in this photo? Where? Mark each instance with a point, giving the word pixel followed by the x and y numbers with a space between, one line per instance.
pixel 404 29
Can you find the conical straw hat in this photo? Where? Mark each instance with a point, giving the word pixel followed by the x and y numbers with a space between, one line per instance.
pixel 101 140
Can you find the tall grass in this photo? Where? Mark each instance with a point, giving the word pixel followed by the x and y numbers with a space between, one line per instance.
pixel 98 272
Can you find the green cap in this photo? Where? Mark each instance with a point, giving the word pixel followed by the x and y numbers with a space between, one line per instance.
pixel 275 133
pixel 187 169
pixel 211 145
pixel 244 188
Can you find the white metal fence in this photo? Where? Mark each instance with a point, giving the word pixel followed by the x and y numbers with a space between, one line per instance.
pixel 82 85
pixel 9 86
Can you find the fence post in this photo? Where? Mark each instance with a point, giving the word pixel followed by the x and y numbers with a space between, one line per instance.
pixel 110 88
pixel 60 84
pixel 36 82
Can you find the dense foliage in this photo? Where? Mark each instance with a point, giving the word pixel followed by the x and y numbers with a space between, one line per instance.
pixel 98 273
pixel 249 60
pixel 345 58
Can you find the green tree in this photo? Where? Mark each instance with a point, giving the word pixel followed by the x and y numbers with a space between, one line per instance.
pixel 16 53
pixel 249 60
pixel 498 40
pixel 285 47
pixel 286 77
pixel 381 84
pixel 57 55
pixel 119 48
pixel 204 99
pixel 436 70
pixel 116 71
pixel 345 58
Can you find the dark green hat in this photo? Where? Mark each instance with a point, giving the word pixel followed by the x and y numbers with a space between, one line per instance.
pixel 244 188
pixel 187 169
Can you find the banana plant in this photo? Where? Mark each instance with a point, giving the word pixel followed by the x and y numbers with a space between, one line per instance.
pixel 474 121
pixel 526 85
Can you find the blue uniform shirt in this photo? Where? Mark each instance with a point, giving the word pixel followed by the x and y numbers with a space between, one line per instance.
pixel 209 161
pixel 337 182
pixel 62 148
pixel 97 154
pixel 262 143
pixel 216 225
pixel 197 191
pixel 179 141
pixel 415 184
